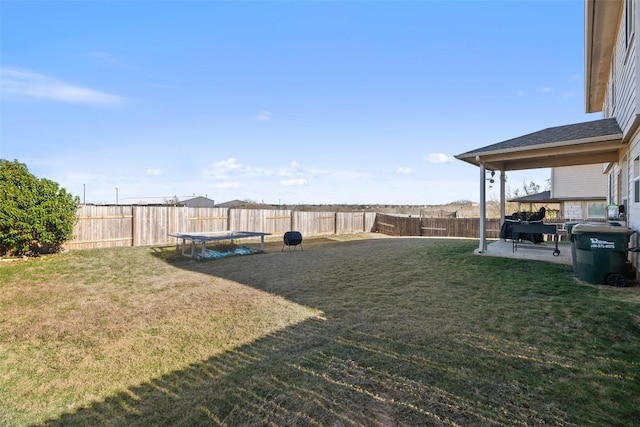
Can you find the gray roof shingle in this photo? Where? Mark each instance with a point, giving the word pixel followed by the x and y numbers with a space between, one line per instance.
pixel 572 132
pixel 533 198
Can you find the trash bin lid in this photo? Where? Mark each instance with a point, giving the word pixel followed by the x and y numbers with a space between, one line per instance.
pixel 600 228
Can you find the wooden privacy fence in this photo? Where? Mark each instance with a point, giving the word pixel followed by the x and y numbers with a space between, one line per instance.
pixel 442 227
pixel 103 226
pixel 108 226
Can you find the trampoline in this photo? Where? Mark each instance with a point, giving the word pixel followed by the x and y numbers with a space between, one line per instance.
pixel 194 239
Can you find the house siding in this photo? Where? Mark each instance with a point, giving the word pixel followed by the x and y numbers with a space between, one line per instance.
pixel 621 94
pixel 619 185
pixel 578 182
pixel 621 178
pixel 634 207
pixel 622 102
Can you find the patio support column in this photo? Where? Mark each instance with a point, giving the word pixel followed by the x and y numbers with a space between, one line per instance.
pixel 503 180
pixel 483 209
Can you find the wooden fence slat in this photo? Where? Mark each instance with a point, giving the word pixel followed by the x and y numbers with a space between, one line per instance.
pixel 435 227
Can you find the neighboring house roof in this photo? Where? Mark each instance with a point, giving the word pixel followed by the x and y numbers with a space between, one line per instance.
pixel 545 197
pixel 591 142
pixel 533 198
pixel 145 200
pixel 232 204
pixel 198 202
pixel 169 200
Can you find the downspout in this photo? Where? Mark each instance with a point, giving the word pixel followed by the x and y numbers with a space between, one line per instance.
pixel 483 208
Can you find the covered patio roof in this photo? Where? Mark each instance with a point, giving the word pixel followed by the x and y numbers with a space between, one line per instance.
pixel 597 141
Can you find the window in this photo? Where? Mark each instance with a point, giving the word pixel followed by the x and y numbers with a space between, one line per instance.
pixel 610 198
pixel 596 210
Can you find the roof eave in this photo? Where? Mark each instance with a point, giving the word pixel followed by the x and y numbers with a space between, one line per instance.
pixel 601 24
pixel 476 155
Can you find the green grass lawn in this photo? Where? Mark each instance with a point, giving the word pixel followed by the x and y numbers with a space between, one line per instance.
pixel 366 332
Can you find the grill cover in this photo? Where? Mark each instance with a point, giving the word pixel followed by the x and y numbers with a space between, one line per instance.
pixel 292 238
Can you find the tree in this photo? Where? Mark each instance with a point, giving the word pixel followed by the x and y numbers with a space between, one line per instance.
pixel 527 189
pixel 36 215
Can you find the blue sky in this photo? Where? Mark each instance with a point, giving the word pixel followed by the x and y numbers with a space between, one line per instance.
pixel 282 102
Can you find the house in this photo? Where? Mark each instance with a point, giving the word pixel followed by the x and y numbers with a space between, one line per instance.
pixel 188 201
pixel 578 193
pixel 234 204
pixel 612 86
pixel 612 71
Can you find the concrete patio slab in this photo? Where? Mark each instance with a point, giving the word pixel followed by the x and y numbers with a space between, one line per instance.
pixel 538 251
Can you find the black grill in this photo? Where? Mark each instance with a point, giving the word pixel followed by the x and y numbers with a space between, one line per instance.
pixel 292 238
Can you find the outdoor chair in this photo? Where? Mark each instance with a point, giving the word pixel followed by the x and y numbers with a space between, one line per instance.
pixel 292 238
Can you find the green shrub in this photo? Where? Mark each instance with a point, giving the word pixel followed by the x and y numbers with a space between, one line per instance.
pixel 36 215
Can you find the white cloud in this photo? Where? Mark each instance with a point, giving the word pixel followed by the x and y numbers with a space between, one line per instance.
pixel 439 158
pixel 293 169
pixel 546 89
pixel 294 182
pixel 263 115
pixel 26 83
pixel 154 172
pixel 224 169
pixel 404 171
pixel 520 93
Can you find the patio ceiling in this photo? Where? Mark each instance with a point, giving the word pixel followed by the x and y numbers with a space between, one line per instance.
pixel 585 143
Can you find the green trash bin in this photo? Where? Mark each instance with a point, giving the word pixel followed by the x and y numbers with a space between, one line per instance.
pixel 569 227
pixel 601 253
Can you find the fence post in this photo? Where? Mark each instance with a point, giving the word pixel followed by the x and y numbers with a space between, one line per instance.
pixel 134 226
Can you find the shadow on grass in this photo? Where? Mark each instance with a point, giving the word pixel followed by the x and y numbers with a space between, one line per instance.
pixel 310 374
pixel 402 343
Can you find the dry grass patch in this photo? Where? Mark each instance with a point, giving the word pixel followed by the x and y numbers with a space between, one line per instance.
pixel 81 326
pixel 377 332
